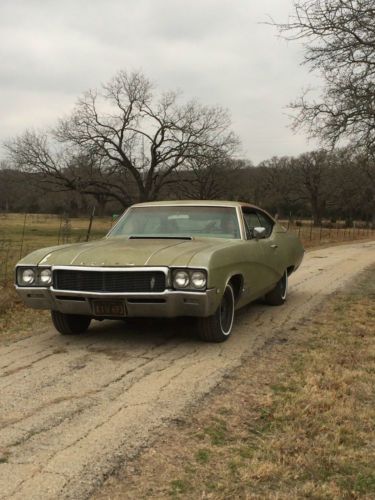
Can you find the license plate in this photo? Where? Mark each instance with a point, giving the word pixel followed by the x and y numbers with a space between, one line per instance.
pixel 109 308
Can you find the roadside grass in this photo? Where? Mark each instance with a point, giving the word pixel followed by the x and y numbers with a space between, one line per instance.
pixel 47 229
pixel 297 420
pixel 317 236
pixel 16 321
pixel 20 236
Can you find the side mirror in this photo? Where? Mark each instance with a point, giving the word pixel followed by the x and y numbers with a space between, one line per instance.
pixel 259 232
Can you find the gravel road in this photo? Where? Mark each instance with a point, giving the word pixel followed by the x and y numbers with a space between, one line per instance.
pixel 72 409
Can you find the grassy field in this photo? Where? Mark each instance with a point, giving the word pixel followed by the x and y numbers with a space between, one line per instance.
pixel 296 421
pixel 21 234
pixel 312 236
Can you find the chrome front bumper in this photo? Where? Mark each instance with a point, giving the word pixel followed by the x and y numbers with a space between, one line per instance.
pixel 168 304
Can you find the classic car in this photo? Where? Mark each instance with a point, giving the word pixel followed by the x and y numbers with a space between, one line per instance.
pixel 165 259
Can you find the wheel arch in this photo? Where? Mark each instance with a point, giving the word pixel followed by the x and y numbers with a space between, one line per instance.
pixel 289 270
pixel 236 281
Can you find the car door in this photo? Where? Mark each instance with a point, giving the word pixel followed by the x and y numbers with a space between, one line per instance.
pixel 272 252
pixel 265 274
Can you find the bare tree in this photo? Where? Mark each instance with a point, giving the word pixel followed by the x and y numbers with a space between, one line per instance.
pixel 365 182
pixel 59 169
pixel 209 177
pixel 312 174
pixel 339 41
pixel 281 186
pixel 299 183
pixel 125 140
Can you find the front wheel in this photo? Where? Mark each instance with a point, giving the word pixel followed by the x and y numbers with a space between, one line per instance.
pixel 70 324
pixel 218 327
pixel 277 296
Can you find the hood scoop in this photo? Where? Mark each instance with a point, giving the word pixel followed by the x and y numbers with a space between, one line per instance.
pixel 160 238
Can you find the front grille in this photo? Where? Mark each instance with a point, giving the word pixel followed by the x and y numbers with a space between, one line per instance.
pixel 109 281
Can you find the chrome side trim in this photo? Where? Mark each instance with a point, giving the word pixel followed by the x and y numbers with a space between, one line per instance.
pixel 83 293
pixel 163 269
pixel 31 288
pixel 170 303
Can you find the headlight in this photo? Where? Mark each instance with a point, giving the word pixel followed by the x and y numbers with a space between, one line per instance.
pixel 27 277
pixel 198 279
pixel 45 277
pixel 181 279
pixel 189 279
pixel 34 276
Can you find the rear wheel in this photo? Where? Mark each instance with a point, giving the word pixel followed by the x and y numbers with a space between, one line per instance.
pixel 70 324
pixel 218 327
pixel 277 296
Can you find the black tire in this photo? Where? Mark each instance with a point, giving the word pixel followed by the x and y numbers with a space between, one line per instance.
pixel 218 327
pixel 277 296
pixel 70 324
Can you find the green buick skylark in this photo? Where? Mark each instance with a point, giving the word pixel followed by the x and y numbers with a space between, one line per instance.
pixel 165 259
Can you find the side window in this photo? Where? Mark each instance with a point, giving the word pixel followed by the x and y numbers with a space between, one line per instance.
pixel 265 222
pixel 251 221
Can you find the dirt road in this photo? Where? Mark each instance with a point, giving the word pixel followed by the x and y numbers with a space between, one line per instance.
pixel 72 409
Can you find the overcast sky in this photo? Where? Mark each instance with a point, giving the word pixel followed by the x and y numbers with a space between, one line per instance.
pixel 217 51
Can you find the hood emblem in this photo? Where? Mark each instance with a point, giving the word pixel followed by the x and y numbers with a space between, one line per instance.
pixel 152 283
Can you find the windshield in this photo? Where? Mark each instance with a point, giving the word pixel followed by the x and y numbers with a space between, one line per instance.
pixel 178 222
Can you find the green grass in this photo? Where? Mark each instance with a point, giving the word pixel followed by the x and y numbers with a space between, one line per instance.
pixel 217 431
pixel 178 486
pixel 203 456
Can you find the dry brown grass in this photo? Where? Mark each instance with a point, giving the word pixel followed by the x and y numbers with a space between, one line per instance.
pixel 296 421
pixel 321 236
pixel 18 239
pixel 8 298
pixel 20 236
pixel 16 321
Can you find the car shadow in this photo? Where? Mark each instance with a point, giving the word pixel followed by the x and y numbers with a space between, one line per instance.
pixel 150 331
pixel 153 332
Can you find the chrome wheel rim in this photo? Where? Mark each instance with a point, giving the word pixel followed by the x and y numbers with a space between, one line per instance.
pixel 227 311
pixel 284 285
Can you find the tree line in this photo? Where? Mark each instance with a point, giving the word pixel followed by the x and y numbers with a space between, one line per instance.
pixel 335 185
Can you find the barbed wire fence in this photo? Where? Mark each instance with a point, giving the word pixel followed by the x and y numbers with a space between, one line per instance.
pixel 60 231
pixel 327 232
pixel 12 250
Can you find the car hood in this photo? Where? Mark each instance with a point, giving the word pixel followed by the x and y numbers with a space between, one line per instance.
pixel 126 252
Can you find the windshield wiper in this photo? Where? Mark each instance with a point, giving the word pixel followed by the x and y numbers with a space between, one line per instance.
pixel 160 238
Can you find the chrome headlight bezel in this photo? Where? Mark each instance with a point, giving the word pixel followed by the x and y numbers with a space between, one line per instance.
pixel 38 274
pixel 192 282
pixel 26 276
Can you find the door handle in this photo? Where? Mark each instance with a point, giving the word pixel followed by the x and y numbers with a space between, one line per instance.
pixel 274 246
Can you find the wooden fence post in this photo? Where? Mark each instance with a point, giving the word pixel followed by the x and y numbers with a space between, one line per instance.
pixel 23 235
